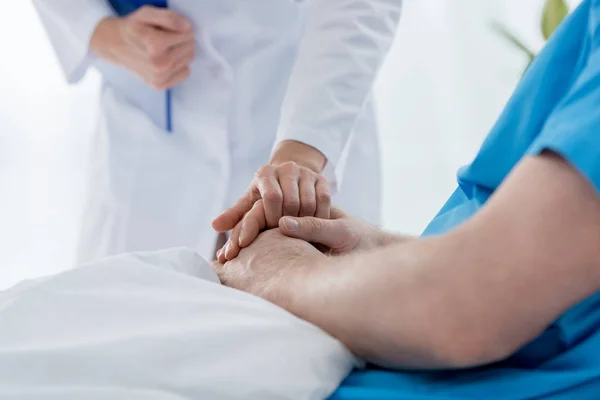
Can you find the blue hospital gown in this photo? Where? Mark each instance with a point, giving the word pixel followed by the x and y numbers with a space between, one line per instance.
pixel 556 106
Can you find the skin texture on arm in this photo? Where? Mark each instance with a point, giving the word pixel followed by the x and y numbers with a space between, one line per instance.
pixel 466 298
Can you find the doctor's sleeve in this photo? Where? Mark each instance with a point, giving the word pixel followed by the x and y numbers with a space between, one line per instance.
pixel 573 128
pixel 342 49
pixel 70 25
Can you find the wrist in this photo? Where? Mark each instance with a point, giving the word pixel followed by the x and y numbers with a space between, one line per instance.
pixel 387 239
pixel 291 295
pixel 105 42
pixel 300 153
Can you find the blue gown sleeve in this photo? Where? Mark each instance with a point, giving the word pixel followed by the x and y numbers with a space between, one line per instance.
pixel 573 128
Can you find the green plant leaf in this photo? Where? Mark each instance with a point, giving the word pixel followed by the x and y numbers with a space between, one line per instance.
pixel 513 39
pixel 554 12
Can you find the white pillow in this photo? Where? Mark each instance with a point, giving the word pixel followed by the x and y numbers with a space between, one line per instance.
pixel 158 326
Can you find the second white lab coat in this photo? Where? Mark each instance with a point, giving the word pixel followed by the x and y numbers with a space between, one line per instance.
pixel 265 71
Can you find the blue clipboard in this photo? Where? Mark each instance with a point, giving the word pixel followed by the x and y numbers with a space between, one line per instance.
pixel 125 7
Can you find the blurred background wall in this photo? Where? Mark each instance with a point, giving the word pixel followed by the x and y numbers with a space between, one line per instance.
pixel 442 87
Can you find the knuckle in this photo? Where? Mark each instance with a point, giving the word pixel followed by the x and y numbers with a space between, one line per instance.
pixel 313 225
pixel 308 196
pixel 171 17
pixel 155 49
pixel 308 174
pixel 250 195
pixel 286 165
pixel 308 208
pixel 264 170
pixel 292 204
pixel 139 31
pixel 290 167
pixel 272 197
pixel 161 67
pixel 324 198
pixel 143 11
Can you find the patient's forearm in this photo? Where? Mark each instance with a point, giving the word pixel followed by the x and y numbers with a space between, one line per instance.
pixel 389 239
pixel 475 295
pixel 392 306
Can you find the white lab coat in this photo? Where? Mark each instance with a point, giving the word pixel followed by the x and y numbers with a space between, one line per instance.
pixel 265 71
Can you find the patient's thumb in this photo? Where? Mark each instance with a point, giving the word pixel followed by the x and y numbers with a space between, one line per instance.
pixel 314 230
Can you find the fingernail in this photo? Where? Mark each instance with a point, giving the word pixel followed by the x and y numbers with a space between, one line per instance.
pixel 241 238
pixel 227 247
pixel 290 224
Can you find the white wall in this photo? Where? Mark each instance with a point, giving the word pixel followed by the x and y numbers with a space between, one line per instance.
pixel 442 86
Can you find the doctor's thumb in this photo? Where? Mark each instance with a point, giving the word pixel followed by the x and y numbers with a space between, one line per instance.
pixel 314 230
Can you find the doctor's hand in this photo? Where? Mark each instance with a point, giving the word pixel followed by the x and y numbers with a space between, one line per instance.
pixel 290 185
pixel 154 43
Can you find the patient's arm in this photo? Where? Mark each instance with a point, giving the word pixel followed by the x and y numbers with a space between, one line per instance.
pixel 472 296
pixel 469 297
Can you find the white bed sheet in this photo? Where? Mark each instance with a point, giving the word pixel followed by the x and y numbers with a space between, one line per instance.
pixel 157 326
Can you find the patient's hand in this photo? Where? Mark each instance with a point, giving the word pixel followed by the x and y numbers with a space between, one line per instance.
pixel 341 234
pixel 268 265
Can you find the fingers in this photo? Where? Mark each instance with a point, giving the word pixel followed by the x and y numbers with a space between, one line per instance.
pixel 182 55
pixel 166 57
pixel 252 224
pixel 323 198
pixel 163 18
pixel 336 213
pixel 176 78
pixel 308 202
pixel 232 248
pixel 314 230
pixel 179 62
pixel 221 253
pixel 158 44
pixel 230 218
pixel 286 189
pixel 271 194
pixel 244 233
pixel 289 175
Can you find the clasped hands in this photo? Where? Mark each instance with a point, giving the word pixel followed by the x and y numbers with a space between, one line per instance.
pixel 288 189
pixel 272 263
